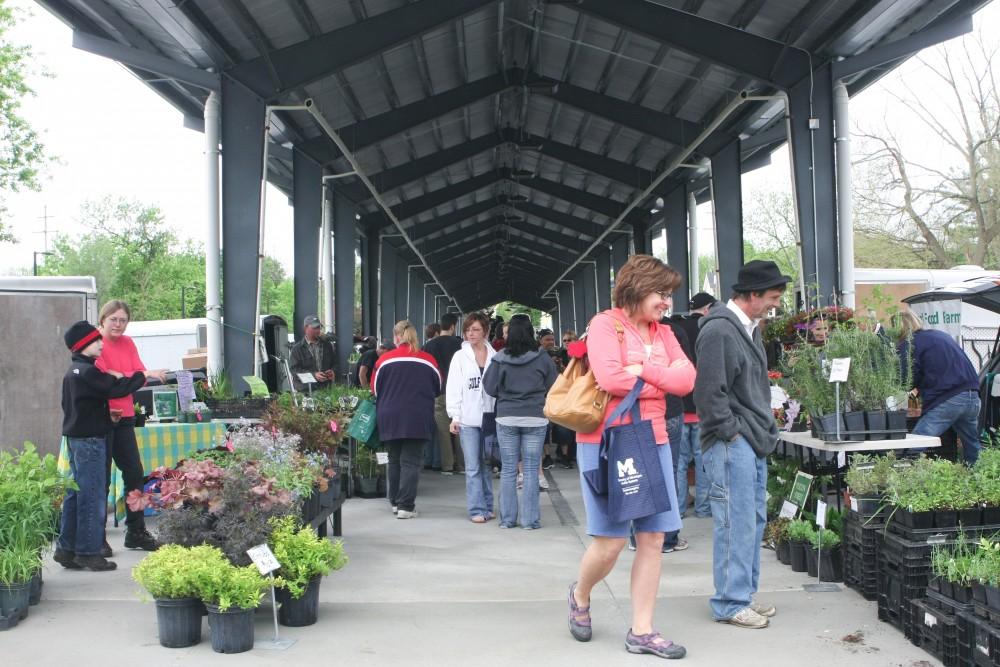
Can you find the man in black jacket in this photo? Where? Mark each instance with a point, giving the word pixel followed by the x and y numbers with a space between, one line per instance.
pixel 87 421
pixel 313 354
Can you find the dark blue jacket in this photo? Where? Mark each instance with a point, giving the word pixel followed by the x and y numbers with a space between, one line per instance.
pixel 940 367
pixel 405 385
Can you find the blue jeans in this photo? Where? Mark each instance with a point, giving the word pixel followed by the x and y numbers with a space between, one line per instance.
pixel 526 443
pixel 690 450
pixel 85 509
pixel 478 476
pixel 739 512
pixel 960 412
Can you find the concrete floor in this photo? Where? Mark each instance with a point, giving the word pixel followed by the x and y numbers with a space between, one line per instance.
pixel 440 590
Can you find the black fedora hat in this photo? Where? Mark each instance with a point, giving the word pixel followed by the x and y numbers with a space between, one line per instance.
pixel 758 275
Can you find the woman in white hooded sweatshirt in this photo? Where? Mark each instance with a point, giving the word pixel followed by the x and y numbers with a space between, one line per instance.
pixel 466 402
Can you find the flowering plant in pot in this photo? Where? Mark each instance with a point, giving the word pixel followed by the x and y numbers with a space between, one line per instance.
pixel 305 558
pixel 172 575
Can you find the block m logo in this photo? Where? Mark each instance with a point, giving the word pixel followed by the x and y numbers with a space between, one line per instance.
pixel 626 467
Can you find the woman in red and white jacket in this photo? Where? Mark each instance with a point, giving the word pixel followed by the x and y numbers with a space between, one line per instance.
pixel 405 383
pixel 623 344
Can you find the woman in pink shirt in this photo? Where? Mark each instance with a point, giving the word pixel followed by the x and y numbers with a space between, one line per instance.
pixel 623 344
pixel 120 358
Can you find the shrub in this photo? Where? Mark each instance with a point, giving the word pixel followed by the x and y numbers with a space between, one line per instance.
pixel 174 571
pixel 303 554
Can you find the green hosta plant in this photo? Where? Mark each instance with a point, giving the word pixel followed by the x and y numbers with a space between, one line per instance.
pixel 303 554
pixel 173 571
pixel 825 538
pixel 800 531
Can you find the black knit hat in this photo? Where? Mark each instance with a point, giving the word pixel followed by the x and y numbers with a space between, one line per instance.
pixel 80 335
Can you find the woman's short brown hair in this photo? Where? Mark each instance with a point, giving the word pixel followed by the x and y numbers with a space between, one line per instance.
pixel 114 306
pixel 472 318
pixel 641 276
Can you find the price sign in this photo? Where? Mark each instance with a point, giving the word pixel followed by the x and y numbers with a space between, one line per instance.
pixel 382 458
pixel 788 510
pixel 263 558
pixel 306 378
pixel 839 369
pixel 821 514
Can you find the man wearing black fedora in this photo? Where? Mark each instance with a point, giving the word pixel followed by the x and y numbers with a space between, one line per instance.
pixel 733 398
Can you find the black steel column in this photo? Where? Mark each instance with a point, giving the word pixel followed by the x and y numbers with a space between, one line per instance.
pixel 603 257
pixel 555 326
pixel 579 293
pixel 307 186
pixel 728 215
pixel 640 237
pixel 817 218
pixel 588 272
pixel 344 243
pixel 387 289
pixel 400 293
pixel 675 218
pixel 369 283
pixel 415 312
pixel 567 306
pixel 619 252
pixel 242 155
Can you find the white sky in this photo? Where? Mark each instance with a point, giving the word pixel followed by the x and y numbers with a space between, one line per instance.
pixel 112 135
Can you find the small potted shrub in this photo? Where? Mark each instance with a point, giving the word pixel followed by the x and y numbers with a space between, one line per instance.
pixel 799 535
pixel 305 559
pixel 172 575
pixel 231 594
pixel 777 534
pixel 830 564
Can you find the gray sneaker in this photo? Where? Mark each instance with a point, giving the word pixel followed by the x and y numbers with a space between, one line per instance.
pixel 764 608
pixel 746 618
pixel 404 514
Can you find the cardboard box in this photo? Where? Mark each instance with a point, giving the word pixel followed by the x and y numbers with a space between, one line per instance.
pixel 198 360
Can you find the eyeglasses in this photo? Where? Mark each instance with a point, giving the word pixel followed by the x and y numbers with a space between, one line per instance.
pixel 118 320
pixel 567 340
pixel 665 295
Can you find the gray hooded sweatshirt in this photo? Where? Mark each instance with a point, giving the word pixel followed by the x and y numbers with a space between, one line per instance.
pixel 732 393
pixel 520 383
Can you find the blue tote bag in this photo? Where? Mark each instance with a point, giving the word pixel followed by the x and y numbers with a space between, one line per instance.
pixel 633 477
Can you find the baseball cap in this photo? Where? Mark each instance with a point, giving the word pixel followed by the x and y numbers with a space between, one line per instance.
pixel 701 299
pixel 312 321
pixel 388 344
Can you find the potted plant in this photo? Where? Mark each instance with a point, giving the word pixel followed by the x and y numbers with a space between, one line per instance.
pixel 799 534
pixel 952 570
pixel 172 575
pixel 366 479
pixel 140 415
pixel 305 558
pixel 776 533
pixel 825 550
pixel 984 572
pixel 986 476
pixel 806 377
pixel 18 564
pixel 231 594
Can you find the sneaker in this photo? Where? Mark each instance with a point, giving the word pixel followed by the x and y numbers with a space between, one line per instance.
pixel 548 463
pixel 654 644
pixel 579 618
pixel 394 509
pixel 568 464
pixel 520 480
pixel 764 608
pixel 447 473
pixel 747 618
pixel 680 545
pixel 95 563
pixel 405 514
pixel 543 484
pixel 106 551
pixel 140 539
pixel 66 558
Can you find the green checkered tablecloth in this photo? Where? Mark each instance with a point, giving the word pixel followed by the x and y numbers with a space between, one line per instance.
pixel 159 445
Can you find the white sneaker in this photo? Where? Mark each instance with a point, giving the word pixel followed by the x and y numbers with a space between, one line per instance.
pixel 394 509
pixel 520 480
pixel 403 514
pixel 543 484
pixel 747 618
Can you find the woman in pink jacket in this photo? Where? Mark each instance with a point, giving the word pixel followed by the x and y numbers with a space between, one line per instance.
pixel 625 343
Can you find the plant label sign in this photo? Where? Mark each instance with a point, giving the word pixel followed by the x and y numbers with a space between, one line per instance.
pixel 257 386
pixel 821 514
pixel 382 458
pixel 306 378
pixel 263 558
pixel 800 489
pixel 788 510
pixel 839 368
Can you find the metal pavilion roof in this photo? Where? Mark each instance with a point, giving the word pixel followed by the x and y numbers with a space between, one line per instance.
pixel 505 134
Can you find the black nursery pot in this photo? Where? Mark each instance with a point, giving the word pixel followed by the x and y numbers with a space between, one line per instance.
pixel 918 520
pixel 35 594
pixel 993 598
pixel 979 593
pixel 179 621
pixel 875 420
pixel 826 426
pixel 855 426
pixel 784 552
pixel 970 516
pixel 945 518
pixel 232 630
pixel 812 564
pixel 961 594
pixel 831 565
pixel 14 599
pixel 991 516
pixel 896 423
pixel 301 612
pixel 797 553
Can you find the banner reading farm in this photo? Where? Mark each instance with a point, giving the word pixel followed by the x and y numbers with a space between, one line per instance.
pixel 941 315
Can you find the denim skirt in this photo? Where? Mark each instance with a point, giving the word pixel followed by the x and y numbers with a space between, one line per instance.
pixel 598 522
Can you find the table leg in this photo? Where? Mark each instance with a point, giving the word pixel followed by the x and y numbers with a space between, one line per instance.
pixel 338 523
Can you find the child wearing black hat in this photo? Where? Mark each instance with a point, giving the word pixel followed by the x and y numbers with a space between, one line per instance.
pixel 86 423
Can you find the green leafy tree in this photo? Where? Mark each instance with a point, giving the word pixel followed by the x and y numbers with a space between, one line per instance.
pixel 21 152
pixel 507 309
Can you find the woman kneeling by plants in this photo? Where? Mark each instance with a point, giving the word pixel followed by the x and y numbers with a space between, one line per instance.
pixel 305 558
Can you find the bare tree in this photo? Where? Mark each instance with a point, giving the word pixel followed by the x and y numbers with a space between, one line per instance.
pixel 946 212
